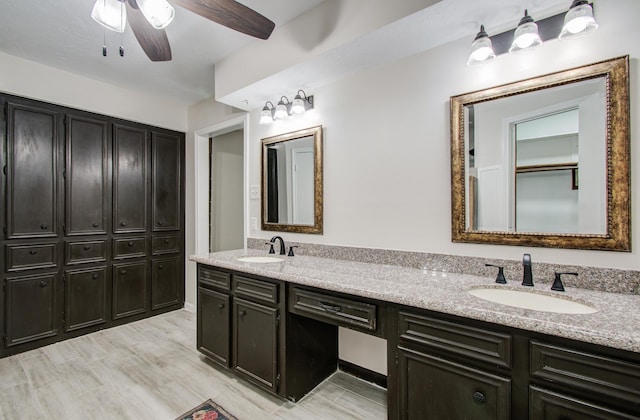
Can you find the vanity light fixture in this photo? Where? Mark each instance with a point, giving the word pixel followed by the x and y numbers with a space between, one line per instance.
pixel 266 116
pixel 481 49
pixel 282 109
pixel 578 21
pixel 526 36
pixel 301 104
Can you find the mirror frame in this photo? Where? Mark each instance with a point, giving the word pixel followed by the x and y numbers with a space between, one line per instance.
pixel 316 228
pixel 618 236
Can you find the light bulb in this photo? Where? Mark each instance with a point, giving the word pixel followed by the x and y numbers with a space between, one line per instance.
pixel 481 49
pixel 159 13
pixel 111 14
pixel 578 21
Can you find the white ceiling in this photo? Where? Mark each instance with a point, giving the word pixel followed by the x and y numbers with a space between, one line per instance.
pixel 61 34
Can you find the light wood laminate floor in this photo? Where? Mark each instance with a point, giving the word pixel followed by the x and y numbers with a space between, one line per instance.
pixel 150 369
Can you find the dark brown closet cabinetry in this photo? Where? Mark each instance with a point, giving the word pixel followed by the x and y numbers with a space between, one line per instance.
pixel 92 222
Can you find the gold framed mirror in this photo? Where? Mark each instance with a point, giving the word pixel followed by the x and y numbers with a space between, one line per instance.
pixel 292 182
pixel 544 161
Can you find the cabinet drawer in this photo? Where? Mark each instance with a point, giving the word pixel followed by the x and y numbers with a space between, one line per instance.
pixel 334 310
pixel 210 277
pixel 544 404
pixel 465 341
pixel 29 257
pixel 253 289
pixel 169 244
pixel 586 371
pixel 129 247
pixel 85 252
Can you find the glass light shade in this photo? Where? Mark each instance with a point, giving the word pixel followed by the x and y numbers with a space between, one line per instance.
pixel 159 13
pixel 297 106
pixel 481 49
pixel 526 36
pixel 111 14
pixel 281 111
pixel 578 21
pixel 265 116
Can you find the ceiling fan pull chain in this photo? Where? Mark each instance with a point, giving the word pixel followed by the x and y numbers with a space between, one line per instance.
pixel 104 42
pixel 122 25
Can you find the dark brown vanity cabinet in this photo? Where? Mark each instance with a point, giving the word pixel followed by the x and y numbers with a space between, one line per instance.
pixel 78 253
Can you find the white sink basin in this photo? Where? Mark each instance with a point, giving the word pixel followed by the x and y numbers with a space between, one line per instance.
pixel 260 260
pixel 534 301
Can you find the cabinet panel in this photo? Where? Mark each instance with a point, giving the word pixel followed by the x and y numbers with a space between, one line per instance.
pixel 129 289
pixel 165 281
pixel 166 157
pixel 85 298
pixel 165 244
pixel 215 278
pixel 32 256
pixel 129 247
pixel 82 252
pixel 255 342
pixel 129 179
pixel 547 405
pixel 32 149
pixel 30 308
pixel 86 176
pixel 253 289
pixel 214 337
pixel 434 388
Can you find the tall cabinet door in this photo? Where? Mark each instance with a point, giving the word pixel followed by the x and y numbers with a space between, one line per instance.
pixel 32 155
pixel 166 158
pixel 86 175
pixel 129 179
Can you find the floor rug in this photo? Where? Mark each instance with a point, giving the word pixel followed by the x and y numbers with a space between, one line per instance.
pixel 208 410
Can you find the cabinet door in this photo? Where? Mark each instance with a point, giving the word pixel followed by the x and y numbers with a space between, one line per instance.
pixel 255 342
pixel 165 282
pixel 85 298
pixel 86 176
pixel 29 308
pixel 434 388
pixel 129 289
pixel 129 179
pixel 166 157
pixel 214 325
pixel 32 151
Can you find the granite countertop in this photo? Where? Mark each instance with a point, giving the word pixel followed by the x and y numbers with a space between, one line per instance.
pixel 616 324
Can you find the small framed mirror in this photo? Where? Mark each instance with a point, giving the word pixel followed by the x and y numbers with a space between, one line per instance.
pixel 292 182
pixel 544 161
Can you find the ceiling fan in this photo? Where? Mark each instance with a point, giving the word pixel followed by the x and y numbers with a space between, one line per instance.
pixel 148 18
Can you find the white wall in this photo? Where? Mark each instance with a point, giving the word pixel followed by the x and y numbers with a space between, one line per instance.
pixel 33 80
pixel 386 153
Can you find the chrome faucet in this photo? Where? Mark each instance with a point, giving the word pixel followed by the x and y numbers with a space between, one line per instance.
pixel 527 278
pixel 282 247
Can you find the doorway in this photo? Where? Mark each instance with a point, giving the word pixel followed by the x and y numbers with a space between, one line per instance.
pixel 226 186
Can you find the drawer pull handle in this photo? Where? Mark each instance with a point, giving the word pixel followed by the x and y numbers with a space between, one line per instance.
pixel 87 247
pixel 95 225
pixel 123 224
pixel 242 313
pixel 479 397
pixel 330 308
pixel 166 241
pixel 95 276
pixel 159 222
pixel 130 243
pixel 43 283
pixel 221 306
pixel 44 226
pixel 33 252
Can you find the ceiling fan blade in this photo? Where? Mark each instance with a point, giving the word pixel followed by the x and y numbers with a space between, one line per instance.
pixel 153 41
pixel 231 14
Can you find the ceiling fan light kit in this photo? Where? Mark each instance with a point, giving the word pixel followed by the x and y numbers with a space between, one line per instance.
pixel 148 18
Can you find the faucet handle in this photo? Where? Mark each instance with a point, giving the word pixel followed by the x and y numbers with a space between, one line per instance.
pixel 271 250
pixel 557 282
pixel 500 277
pixel 291 254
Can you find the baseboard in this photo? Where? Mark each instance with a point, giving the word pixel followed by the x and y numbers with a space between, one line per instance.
pixel 363 373
pixel 190 307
